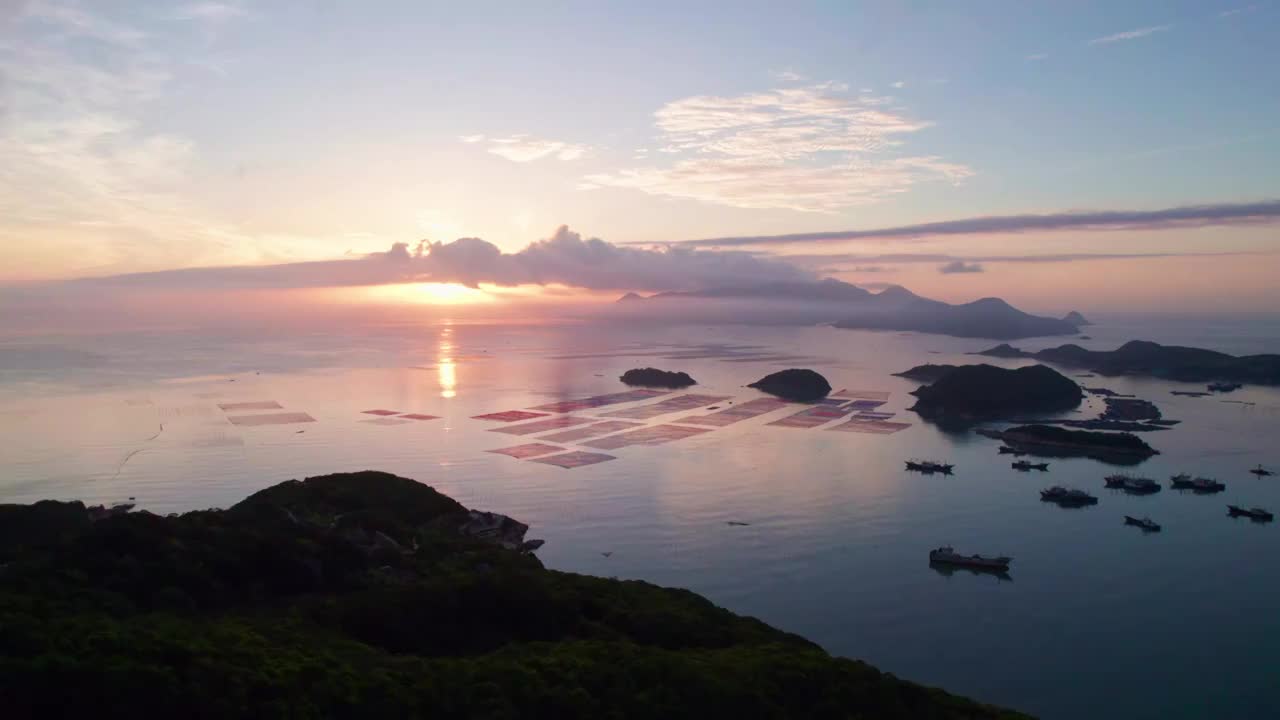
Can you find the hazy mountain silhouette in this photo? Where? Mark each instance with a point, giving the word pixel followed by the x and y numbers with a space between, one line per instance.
pixel 849 306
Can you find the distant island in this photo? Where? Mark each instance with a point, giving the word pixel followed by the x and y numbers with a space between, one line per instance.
pixel 1053 441
pixel 845 306
pixel 371 595
pixel 653 377
pixel 1168 362
pixel 987 391
pixel 1076 319
pixel 795 384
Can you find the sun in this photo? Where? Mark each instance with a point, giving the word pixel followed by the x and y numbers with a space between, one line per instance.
pixel 449 294
pixel 431 293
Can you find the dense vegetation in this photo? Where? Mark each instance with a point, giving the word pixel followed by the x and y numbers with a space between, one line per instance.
pixel 355 596
pixel 653 377
pixel 1170 362
pixel 794 384
pixel 984 391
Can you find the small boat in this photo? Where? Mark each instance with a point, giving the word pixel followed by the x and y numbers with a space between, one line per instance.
pixel 1006 450
pixel 1135 485
pixel 929 467
pixel 1251 513
pixel 1223 386
pixel 1261 471
pixel 1145 523
pixel 946 555
pixel 1024 465
pixel 1199 485
pixel 1066 496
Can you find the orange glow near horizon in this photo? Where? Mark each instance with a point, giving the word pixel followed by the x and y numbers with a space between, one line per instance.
pixel 457 294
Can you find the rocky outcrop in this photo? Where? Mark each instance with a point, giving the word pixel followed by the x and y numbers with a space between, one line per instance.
pixel 799 385
pixel 1058 442
pixel 1076 319
pixel 987 391
pixel 653 377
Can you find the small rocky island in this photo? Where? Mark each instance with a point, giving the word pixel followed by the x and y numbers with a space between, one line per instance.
pixel 371 595
pixel 1148 359
pixel 987 391
pixel 794 384
pixel 1053 441
pixel 653 377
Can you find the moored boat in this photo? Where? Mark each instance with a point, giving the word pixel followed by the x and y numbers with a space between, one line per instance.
pixel 1145 523
pixel 1199 485
pixel 946 555
pixel 930 466
pixel 1006 450
pixel 1135 485
pixel 1223 386
pixel 1067 496
pixel 1024 465
pixel 1256 513
pixel 1261 471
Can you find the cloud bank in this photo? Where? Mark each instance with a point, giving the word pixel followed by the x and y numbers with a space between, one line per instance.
pixel 1190 216
pixel 812 149
pixel 523 148
pixel 960 266
pixel 564 258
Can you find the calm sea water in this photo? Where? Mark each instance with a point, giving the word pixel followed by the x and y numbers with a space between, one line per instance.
pixel 1097 619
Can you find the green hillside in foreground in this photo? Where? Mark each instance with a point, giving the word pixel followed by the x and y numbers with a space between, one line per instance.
pixel 357 596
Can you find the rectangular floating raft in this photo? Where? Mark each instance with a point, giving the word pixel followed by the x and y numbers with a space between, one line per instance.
pixel 670 405
pixel 871 427
pixel 537 426
pixel 737 413
pixel 590 431
pixel 576 459
pixel 595 401
pixel 656 435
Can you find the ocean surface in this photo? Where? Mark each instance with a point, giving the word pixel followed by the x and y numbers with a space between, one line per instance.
pixel 1096 619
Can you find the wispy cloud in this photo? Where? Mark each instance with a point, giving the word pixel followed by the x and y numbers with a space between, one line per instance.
pixel 853 262
pixel 211 12
pixel 525 148
pixel 1129 34
pixel 899 84
pixel 815 149
pixel 1238 11
pixel 1266 212
pixel 959 266
pixel 1038 57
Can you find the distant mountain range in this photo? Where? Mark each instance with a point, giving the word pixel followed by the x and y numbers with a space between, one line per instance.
pixel 849 306
pixel 1171 362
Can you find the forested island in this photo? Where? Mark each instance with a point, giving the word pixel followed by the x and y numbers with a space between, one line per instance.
pixel 987 391
pixel 1170 362
pixel 367 595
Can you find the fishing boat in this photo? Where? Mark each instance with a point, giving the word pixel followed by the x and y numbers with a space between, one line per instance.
pixel 946 555
pixel 1223 386
pixel 1199 485
pixel 929 467
pixel 1251 513
pixel 1024 465
pixel 1261 471
pixel 1006 450
pixel 1067 496
pixel 1134 485
pixel 1145 523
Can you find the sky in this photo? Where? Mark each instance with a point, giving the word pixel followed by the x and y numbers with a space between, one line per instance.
pixel 1060 155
